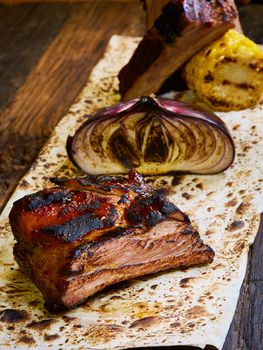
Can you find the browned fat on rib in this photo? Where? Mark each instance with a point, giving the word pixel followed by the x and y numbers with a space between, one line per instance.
pixel 153 9
pixel 75 240
pixel 184 28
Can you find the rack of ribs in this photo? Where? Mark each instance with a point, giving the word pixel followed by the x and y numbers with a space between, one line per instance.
pixel 86 233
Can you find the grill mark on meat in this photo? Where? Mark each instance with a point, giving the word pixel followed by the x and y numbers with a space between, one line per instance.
pixel 41 199
pixel 93 205
pixel 150 210
pixel 78 227
pixel 187 231
pixel 154 217
pixel 123 199
pixel 79 250
pixel 168 208
pixel 75 228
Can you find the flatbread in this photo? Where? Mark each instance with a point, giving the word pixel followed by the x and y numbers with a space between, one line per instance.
pixel 189 307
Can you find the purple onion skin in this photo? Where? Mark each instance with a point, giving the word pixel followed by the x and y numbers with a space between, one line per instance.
pixel 166 107
pixel 177 109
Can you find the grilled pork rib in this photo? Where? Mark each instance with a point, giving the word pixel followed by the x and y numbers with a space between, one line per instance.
pixel 88 233
pixel 153 9
pixel 183 28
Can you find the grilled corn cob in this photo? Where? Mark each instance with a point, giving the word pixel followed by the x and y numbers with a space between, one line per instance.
pixel 227 74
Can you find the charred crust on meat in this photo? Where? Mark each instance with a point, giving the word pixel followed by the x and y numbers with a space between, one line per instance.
pixel 154 217
pixel 188 231
pixel 74 229
pixel 79 250
pixel 41 199
pixel 138 179
pixel 63 212
pixel 110 220
pixel 168 208
pixel 123 199
pixel 210 250
pixel 91 205
pixel 150 209
pixel 186 218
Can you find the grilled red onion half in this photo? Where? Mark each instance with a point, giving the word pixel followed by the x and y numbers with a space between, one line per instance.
pixel 154 136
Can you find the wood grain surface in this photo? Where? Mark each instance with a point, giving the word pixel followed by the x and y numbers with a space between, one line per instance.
pixel 47 52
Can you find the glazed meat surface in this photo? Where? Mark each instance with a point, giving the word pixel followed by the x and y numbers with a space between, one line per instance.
pixel 75 239
pixel 183 28
pixel 153 9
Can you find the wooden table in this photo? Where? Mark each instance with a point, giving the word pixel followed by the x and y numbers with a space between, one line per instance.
pixel 47 52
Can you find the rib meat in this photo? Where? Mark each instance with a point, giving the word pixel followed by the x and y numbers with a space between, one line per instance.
pixel 75 239
pixel 153 9
pixel 183 28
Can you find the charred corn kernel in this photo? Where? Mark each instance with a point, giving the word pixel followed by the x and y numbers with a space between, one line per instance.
pixel 227 74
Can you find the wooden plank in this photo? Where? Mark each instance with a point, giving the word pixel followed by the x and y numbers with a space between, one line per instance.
pixel 24 41
pixel 246 331
pixel 57 78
